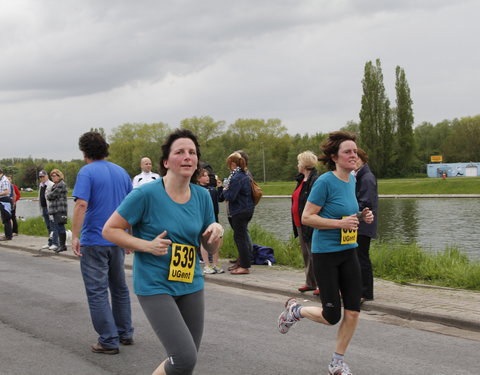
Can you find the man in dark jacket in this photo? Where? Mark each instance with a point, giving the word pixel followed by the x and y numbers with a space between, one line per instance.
pixel 367 196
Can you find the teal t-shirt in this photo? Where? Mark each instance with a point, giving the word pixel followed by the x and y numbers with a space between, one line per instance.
pixel 337 199
pixel 150 211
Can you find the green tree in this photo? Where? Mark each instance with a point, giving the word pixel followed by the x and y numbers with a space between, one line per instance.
pixel 375 120
pixel 463 143
pixel 207 131
pixel 130 142
pixel 404 140
pixel 265 141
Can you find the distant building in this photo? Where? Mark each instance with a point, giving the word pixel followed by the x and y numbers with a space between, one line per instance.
pixel 453 169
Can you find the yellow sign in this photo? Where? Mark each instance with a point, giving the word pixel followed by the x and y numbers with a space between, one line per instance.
pixel 348 235
pixel 182 264
pixel 436 158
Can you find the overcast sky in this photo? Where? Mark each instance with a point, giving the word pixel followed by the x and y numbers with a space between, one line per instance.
pixel 70 65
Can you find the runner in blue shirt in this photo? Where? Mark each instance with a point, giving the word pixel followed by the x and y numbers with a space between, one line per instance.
pixel 169 219
pixel 332 210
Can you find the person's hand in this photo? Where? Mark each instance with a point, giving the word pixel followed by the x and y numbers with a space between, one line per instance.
pixel 367 215
pixel 349 222
pixel 76 246
pixel 213 233
pixel 159 245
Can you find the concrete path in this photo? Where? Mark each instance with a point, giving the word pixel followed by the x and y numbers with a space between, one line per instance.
pixel 451 307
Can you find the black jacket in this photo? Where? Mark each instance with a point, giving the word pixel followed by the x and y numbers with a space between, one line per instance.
pixel 367 196
pixel 302 201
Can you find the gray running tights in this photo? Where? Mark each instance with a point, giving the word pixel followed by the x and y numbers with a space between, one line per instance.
pixel 178 323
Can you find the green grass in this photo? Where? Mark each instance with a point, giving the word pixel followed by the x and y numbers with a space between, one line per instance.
pixel 34 227
pixel 391 261
pixel 408 263
pixel 452 185
pixel 34 194
pixel 426 185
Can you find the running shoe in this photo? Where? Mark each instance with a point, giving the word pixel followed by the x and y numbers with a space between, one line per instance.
pixel 286 320
pixel 209 270
pixel 339 368
pixel 218 269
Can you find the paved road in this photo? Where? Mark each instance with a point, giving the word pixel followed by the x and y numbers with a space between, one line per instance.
pixel 45 329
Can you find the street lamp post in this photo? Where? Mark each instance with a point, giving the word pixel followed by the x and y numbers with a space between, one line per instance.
pixel 263 158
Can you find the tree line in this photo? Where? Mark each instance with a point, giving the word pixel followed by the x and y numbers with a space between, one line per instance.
pixel 394 146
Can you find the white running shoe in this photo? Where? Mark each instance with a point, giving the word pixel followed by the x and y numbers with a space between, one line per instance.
pixel 208 270
pixel 286 320
pixel 218 269
pixel 338 368
pixel 53 247
pixel 45 246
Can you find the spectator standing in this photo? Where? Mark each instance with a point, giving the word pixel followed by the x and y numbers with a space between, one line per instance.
pixel 307 176
pixel 5 206
pixel 240 208
pixel 58 207
pixel 16 196
pixel 204 179
pixel 147 175
pixel 43 189
pixel 99 189
pixel 367 196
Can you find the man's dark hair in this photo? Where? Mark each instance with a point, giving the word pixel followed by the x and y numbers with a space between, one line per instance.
pixel 166 147
pixel 93 145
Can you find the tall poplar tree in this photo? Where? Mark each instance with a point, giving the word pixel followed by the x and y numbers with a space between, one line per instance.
pixel 375 120
pixel 404 140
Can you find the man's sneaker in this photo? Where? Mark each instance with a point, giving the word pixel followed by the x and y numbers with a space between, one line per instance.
pixel 53 247
pixel 208 270
pixel 218 269
pixel 338 368
pixel 286 320
pixel 45 246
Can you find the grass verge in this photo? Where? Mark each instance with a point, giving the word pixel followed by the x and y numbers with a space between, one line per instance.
pixel 394 261
pixel 452 185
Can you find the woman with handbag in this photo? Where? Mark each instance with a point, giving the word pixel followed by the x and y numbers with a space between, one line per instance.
pixel 58 208
pixel 237 192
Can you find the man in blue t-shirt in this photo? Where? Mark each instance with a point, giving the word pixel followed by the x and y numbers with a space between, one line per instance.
pixel 99 189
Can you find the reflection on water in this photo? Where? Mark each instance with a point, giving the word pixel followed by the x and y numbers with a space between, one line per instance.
pixel 431 222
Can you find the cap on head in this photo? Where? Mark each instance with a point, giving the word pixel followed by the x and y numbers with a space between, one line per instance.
pixel 42 174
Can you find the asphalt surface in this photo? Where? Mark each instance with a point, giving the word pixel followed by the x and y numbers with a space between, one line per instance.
pixel 446 306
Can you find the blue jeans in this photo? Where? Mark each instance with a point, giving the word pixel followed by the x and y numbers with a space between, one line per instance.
pixel 103 270
pixel 53 239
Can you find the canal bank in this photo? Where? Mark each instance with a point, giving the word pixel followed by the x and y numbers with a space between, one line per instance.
pixel 445 306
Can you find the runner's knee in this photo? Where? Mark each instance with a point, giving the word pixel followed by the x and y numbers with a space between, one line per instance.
pixel 331 314
pixel 181 363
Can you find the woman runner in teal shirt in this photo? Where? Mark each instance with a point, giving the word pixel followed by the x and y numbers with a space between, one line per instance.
pixel 169 218
pixel 332 210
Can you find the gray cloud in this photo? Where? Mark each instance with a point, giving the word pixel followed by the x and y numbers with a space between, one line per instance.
pixel 67 66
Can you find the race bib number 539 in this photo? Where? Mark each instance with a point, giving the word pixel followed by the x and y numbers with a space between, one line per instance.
pixel 182 265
